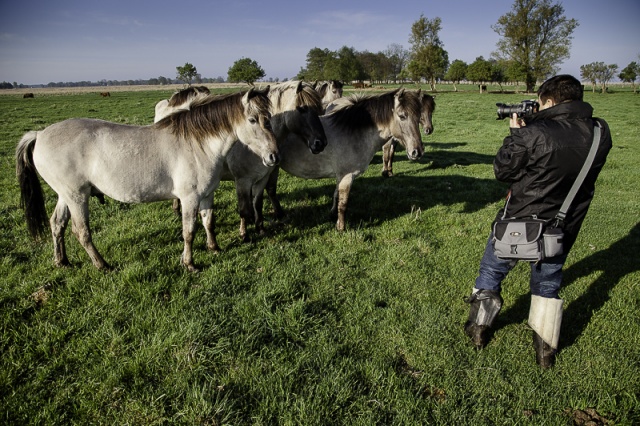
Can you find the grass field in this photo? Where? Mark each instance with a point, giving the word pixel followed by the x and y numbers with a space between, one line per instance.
pixel 307 326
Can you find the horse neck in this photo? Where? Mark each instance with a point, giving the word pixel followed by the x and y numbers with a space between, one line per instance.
pixel 279 125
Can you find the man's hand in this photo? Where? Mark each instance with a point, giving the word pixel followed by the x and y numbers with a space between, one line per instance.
pixel 515 122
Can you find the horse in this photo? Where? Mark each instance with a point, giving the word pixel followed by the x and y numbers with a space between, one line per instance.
pixel 329 91
pixel 295 107
pixel 105 94
pixel 28 95
pixel 428 107
pixel 179 157
pixel 180 100
pixel 356 128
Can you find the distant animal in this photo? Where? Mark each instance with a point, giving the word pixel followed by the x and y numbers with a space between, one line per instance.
pixel 329 91
pixel 356 128
pixel 28 95
pixel 358 85
pixel 428 106
pixel 105 94
pixel 295 108
pixel 482 88
pixel 178 157
pixel 180 100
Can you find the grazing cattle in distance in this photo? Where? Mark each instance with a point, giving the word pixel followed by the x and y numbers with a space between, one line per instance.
pixel 28 95
pixel 358 85
pixel 105 94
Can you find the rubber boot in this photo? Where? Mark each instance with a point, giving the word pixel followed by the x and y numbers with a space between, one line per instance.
pixel 545 318
pixel 485 306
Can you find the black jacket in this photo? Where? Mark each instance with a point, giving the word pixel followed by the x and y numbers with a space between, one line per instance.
pixel 542 160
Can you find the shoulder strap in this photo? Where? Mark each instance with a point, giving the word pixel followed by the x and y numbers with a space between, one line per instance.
pixel 562 214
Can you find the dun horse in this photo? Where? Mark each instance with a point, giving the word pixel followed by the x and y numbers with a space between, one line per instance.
pixel 178 157
pixel 295 108
pixel 329 91
pixel 428 107
pixel 356 128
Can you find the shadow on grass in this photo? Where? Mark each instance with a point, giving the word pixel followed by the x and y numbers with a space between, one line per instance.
pixel 374 199
pixel 615 263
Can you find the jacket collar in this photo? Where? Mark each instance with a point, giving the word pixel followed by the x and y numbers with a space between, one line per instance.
pixel 563 111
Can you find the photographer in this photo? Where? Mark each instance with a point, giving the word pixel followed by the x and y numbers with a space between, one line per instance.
pixel 541 159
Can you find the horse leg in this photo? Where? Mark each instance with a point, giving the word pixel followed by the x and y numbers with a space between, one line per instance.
pixel 80 228
pixel 59 220
pixel 189 215
pixel 209 222
pixel 176 206
pixel 258 203
pixel 388 149
pixel 245 206
pixel 341 198
pixel 272 184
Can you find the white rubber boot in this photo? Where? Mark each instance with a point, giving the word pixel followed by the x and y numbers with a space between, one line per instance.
pixel 545 318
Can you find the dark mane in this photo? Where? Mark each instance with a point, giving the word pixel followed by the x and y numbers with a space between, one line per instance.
pixel 212 115
pixel 307 97
pixel 360 110
pixel 182 96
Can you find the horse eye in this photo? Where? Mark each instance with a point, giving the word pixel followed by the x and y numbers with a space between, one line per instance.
pixel 403 116
pixel 252 120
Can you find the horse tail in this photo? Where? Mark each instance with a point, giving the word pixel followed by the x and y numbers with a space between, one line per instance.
pixel 31 195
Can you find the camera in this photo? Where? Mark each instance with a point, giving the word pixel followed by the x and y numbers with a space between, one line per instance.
pixel 523 109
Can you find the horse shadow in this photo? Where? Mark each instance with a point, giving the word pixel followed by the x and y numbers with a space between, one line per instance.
pixel 374 200
pixel 439 158
pixel 615 262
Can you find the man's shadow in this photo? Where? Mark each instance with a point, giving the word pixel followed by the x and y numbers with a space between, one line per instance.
pixel 615 262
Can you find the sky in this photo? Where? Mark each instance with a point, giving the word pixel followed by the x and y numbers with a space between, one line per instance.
pixel 88 40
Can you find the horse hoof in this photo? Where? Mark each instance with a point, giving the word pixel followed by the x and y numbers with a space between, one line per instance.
pixel 192 269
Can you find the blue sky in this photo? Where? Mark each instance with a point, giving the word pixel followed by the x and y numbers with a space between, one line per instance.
pixel 71 40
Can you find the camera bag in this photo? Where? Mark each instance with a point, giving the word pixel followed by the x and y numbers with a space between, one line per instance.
pixel 531 239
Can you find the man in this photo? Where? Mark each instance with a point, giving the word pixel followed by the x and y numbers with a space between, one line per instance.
pixel 541 159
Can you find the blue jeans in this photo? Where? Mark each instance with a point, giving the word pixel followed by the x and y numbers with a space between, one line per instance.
pixel 546 275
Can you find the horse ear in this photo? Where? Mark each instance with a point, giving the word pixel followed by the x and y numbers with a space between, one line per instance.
pixel 247 96
pixel 299 86
pixel 419 92
pixel 399 92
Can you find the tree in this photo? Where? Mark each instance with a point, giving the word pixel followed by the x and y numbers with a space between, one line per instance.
pixel 456 72
pixel 398 58
pixel 479 71
pixel 186 73
pixel 629 74
pixel 320 62
pixel 588 72
pixel 429 60
pixel 537 36
pixel 245 70
pixel 603 73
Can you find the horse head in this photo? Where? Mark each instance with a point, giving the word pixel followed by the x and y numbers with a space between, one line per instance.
pixel 256 131
pixel 405 122
pixel 296 108
pixel 428 107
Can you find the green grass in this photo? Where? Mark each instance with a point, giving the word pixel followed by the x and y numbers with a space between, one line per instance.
pixel 306 325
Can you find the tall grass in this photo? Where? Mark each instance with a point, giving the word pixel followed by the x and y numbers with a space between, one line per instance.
pixel 309 326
